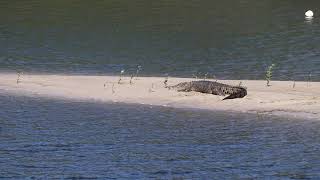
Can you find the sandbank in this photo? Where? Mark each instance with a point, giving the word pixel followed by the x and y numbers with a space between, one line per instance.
pixel 282 98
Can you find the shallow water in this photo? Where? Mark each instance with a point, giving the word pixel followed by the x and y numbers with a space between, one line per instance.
pixel 228 39
pixel 45 138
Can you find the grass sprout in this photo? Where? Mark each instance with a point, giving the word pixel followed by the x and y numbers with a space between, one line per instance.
pixel 269 73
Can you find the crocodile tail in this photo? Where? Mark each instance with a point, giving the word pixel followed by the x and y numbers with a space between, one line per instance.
pixel 240 93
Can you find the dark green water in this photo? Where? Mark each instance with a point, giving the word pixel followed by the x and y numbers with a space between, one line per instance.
pixel 56 139
pixel 228 39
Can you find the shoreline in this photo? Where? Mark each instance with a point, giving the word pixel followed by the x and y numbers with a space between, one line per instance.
pixel 282 98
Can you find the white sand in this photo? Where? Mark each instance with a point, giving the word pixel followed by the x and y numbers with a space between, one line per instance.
pixel 281 98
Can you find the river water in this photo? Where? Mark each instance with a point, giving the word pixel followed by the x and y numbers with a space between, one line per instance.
pixel 226 39
pixel 44 139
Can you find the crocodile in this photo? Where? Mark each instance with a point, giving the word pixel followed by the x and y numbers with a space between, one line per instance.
pixel 211 87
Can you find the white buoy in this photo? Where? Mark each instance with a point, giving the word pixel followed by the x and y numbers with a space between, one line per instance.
pixel 309 14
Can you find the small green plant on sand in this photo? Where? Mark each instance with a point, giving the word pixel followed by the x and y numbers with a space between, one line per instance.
pixel 269 74
pixel 139 68
pixel 121 74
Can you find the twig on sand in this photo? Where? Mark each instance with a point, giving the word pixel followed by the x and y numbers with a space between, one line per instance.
pixel 19 76
pixel 165 82
pixel 113 91
pixel 294 84
pixel 151 89
pixel 131 79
